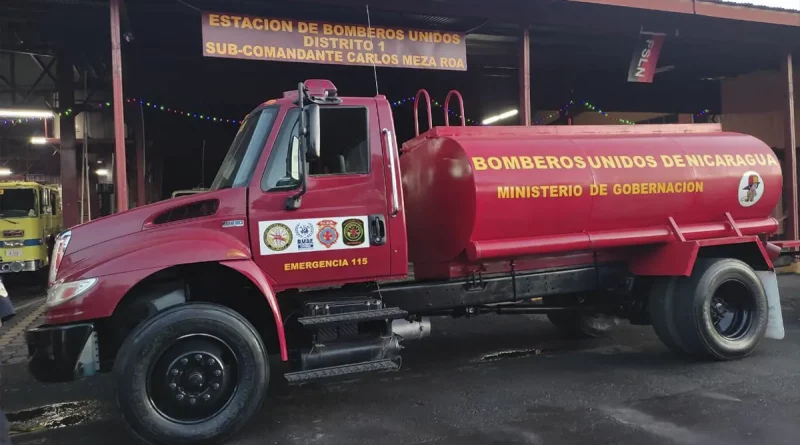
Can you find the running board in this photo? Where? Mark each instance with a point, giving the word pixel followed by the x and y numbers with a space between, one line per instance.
pixel 343 370
pixel 391 313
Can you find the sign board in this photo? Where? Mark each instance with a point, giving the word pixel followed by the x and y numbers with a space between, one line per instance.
pixel 645 58
pixel 259 38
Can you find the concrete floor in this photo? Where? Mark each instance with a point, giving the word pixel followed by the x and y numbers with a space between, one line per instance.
pixel 491 380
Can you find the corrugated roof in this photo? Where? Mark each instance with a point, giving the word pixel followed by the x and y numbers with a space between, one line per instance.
pixel 777 5
pixel 774 12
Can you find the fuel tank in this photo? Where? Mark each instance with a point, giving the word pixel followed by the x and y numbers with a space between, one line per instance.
pixel 480 193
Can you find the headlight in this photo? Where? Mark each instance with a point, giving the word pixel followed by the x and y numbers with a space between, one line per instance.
pixel 62 241
pixel 63 292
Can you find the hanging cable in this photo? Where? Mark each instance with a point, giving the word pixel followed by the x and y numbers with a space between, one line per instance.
pixel 189 6
pixel 374 68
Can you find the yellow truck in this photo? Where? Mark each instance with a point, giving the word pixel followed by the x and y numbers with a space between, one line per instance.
pixel 30 218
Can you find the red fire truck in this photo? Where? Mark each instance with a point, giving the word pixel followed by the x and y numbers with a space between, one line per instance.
pixel 301 249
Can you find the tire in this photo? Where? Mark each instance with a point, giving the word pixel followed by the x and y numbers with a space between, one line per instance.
pixel 579 324
pixel 720 312
pixel 209 338
pixel 662 313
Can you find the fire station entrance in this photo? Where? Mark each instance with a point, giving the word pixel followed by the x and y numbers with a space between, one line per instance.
pixel 190 70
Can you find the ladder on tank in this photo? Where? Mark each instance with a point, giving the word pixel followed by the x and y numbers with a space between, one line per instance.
pixel 424 92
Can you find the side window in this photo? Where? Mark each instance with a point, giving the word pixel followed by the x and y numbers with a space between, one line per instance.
pixel 344 144
pixel 279 173
pixel 44 203
pixel 344 147
pixel 54 202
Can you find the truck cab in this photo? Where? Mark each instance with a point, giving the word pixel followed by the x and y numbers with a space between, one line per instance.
pixel 308 196
pixel 342 208
pixel 299 252
pixel 30 217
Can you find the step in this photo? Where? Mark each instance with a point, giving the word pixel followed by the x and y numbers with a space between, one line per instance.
pixel 337 371
pixel 390 313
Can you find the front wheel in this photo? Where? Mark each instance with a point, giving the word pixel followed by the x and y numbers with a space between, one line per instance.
pixel 195 373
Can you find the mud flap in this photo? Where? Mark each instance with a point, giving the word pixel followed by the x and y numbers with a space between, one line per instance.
pixel 775 322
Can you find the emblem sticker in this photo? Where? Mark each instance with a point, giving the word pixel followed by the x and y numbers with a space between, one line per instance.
pixel 305 235
pixel 327 234
pixel 751 187
pixel 353 232
pixel 233 223
pixel 278 237
pixel 310 235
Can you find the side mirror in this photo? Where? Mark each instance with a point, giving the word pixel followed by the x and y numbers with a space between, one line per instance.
pixel 313 132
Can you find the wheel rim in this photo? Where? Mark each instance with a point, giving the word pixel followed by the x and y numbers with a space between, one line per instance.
pixel 732 307
pixel 194 379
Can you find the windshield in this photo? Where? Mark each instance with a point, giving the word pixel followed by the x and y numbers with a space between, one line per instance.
pixel 17 203
pixel 237 168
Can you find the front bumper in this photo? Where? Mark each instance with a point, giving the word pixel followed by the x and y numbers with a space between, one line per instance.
pixel 62 353
pixel 20 266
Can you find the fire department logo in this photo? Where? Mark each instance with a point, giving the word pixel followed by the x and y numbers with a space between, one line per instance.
pixel 305 236
pixel 304 229
pixel 327 234
pixel 278 237
pixel 751 187
pixel 353 232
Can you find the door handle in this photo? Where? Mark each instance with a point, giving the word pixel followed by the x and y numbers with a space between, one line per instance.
pixel 377 230
pixel 392 153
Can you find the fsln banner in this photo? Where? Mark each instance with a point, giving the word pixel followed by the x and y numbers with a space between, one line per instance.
pixel 645 58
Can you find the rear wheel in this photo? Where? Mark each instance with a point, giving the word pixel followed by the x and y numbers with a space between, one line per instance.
pixel 662 313
pixel 719 312
pixel 195 373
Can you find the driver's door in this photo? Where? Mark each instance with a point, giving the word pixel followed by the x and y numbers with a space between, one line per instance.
pixel 338 234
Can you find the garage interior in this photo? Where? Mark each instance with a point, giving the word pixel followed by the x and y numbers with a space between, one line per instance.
pixel 181 109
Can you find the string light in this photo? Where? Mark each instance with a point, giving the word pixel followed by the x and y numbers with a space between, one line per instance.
pixel 396 103
pixel 144 103
pixel 178 112
pixel 703 113
pixel 601 112
pixel 434 103
pixel 22 121
pixel 549 116
pixel 554 113
pixel 163 108
pixel 586 105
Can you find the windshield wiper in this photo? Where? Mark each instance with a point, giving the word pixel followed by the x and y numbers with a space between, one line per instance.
pixel 9 220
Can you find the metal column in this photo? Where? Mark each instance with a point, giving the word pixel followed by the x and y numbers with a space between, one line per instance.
pixel 13 73
pixel 138 131
pixel 525 78
pixel 121 188
pixel 69 166
pixel 790 151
